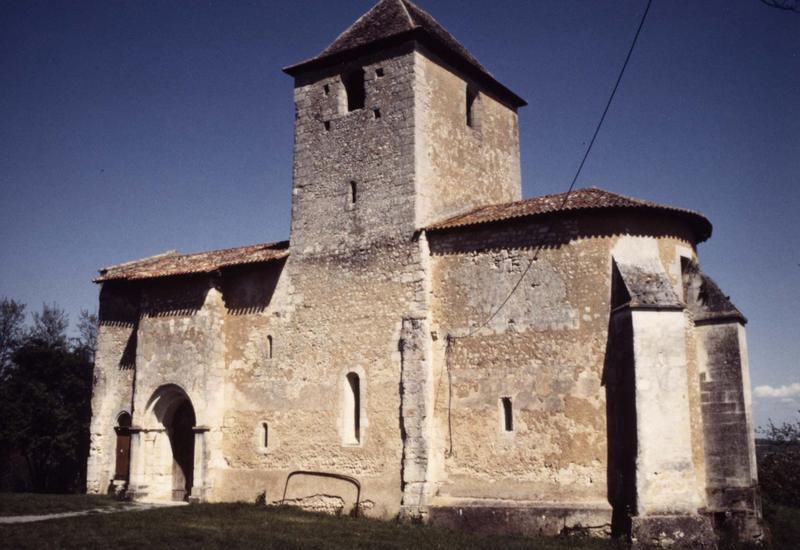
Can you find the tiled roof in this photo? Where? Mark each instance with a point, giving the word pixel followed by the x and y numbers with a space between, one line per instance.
pixel 391 17
pixel 396 19
pixel 172 263
pixel 578 200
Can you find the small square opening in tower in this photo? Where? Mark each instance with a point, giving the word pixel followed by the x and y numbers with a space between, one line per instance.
pixel 354 89
pixel 379 72
pixel 376 113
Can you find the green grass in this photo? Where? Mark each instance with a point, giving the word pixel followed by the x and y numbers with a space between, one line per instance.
pixel 22 504
pixel 233 526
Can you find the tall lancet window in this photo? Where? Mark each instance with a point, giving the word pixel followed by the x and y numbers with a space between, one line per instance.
pixel 352 410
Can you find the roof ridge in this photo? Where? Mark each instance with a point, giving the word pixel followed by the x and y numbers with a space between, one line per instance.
pixel 232 248
pixel 159 256
pixel 408 14
pixel 339 43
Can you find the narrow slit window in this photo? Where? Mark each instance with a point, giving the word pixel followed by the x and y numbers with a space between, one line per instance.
pixel 327 125
pixel 265 434
pixel 269 347
pixel 352 195
pixel 508 414
pixel 352 409
pixel 472 97
pixel 354 88
pixel 376 113
pixel 326 89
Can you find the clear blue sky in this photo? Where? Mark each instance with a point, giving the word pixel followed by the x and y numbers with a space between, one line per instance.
pixel 129 128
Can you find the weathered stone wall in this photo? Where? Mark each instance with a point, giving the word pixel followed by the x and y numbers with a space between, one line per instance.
pixel 461 167
pixel 113 380
pixel 180 343
pixel 451 375
pixel 353 274
pixel 334 147
pixel 727 409
pixel 545 349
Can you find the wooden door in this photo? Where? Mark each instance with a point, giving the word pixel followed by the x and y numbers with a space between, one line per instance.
pixel 123 455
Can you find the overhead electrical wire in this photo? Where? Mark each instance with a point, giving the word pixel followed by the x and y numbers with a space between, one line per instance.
pixel 452 338
pixel 574 179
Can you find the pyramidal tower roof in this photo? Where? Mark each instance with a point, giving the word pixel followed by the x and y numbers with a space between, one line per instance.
pixel 393 22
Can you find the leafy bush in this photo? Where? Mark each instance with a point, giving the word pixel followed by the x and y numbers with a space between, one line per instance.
pixel 779 464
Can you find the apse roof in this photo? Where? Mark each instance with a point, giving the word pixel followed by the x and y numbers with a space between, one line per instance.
pixel 587 199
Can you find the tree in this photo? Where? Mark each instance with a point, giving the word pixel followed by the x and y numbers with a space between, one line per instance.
pixel 50 326
pixel 778 467
pixel 45 404
pixel 12 319
pixel 87 330
pixel 787 432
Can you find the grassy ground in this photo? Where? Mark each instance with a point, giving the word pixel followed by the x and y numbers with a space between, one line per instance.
pixel 233 526
pixel 22 504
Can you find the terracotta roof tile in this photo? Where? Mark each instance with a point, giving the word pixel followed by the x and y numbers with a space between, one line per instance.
pixel 172 263
pixel 581 199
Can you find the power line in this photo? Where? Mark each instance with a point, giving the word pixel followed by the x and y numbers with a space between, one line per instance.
pixel 611 97
pixel 574 180
pixel 452 339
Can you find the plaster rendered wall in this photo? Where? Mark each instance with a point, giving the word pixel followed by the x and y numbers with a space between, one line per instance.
pixel 461 167
pixel 666 478
pixel 545 349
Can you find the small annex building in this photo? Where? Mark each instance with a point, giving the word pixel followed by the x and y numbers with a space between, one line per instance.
pixel 427 344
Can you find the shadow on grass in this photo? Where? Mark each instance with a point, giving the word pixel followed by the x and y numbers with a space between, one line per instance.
pixel 248 526
pixel 24 504
pixel 232 526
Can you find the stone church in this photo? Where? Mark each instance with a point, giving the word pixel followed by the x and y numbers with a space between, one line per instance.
pixel 427 343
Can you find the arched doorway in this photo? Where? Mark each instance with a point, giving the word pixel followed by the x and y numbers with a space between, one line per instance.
pixel 173 456
pixel 181 439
